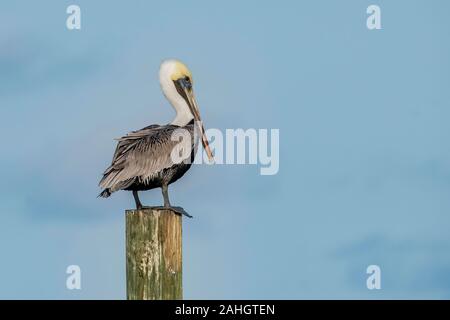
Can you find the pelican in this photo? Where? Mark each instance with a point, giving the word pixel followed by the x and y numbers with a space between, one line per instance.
pixel 142 160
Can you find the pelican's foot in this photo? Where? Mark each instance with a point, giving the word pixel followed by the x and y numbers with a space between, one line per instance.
pixel 177 210
pixel 144 207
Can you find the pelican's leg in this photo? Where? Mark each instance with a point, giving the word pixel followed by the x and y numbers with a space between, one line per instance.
pixel 179 210
pixel 165 192
pixel 136 199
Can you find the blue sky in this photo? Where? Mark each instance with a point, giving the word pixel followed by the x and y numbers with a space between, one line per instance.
pixel 364 158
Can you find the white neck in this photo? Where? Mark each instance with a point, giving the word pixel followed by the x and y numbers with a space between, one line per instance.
pixel 184 115
pixel 182 119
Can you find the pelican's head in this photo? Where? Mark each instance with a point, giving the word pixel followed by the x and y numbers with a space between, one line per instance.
pixel 177 85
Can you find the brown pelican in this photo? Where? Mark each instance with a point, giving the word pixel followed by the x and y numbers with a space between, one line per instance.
pixel 142 160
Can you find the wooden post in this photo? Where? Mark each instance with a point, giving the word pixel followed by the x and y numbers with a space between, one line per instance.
pixel 154 255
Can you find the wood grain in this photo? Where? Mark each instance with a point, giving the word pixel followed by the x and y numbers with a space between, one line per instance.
pixel 154 254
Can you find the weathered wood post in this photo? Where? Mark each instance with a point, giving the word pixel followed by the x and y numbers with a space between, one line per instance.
pixel 154 255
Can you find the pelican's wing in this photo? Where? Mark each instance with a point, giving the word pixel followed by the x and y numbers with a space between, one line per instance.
pixel 140 155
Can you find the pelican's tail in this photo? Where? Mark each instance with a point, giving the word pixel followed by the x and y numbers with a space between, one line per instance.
pixel 105 193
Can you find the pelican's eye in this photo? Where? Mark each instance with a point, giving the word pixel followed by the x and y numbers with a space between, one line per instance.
pixel 186 82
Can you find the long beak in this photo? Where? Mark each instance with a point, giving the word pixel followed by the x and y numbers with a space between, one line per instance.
pixel 195 112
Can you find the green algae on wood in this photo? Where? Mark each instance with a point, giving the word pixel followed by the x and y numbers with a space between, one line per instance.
pixel 153 254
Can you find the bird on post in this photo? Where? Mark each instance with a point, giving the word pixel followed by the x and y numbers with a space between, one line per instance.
pixel 144 159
